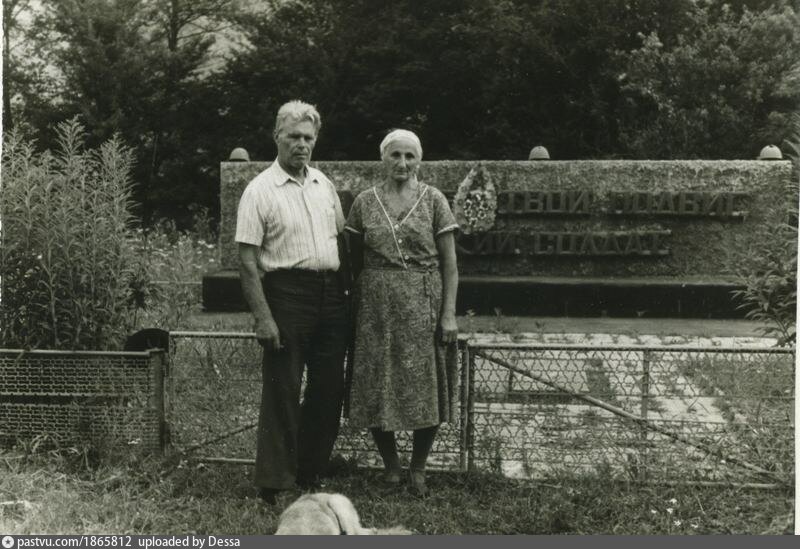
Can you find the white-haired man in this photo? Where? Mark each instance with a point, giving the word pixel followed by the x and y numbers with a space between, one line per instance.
pixel 287 227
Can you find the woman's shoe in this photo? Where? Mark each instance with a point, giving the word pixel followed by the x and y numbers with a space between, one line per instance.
pixel 416 483
pixel 391 477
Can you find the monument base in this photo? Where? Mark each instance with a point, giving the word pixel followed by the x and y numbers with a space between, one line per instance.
pixel 653 297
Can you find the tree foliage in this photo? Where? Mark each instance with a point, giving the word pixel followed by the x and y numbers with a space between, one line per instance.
pixel 476 79
pixel 722 87
pixel 135 68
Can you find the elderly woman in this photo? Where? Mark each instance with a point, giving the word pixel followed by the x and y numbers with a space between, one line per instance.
pixel 402 241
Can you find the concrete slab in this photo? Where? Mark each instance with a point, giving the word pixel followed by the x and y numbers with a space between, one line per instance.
pixel 665 327
pixel 671 330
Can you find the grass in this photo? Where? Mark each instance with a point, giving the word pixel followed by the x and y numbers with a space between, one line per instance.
pixel 57 495
pixel 65 492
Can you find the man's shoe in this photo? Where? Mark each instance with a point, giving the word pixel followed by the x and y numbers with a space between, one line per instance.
pixel 337 466
pixel 309 483
pixel 268 495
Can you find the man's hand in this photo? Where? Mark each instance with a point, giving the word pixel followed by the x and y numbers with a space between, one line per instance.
pixel 268 334
pixel 449 328
pixel 266 330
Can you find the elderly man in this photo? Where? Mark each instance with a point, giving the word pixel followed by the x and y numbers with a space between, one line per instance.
pixel 287 226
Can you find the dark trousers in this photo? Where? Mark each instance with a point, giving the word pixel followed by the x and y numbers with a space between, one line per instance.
pixel 295 440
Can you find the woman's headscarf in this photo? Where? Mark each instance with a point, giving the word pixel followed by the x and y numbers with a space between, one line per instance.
pixel 402 135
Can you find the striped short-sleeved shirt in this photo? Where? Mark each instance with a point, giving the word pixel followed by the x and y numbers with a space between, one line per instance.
pixel 294 223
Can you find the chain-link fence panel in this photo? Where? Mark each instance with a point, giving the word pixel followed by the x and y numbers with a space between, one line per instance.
pixel 647 413
pixel 644 413
pixel 107 400
pixel 214 393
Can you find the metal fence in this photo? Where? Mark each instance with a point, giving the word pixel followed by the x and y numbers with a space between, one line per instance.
pixel 644 413
pixel 107 400
pixel 650 413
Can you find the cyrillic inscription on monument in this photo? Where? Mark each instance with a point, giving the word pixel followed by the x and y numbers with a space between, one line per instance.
pixel 594 243
pixel 700 204
pixel 683 203
pixel 566 243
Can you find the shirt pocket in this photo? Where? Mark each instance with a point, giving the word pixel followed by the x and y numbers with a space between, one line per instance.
pixel 326 213
pixel 330 220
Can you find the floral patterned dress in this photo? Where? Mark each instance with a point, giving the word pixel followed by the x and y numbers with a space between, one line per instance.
pixel 404 377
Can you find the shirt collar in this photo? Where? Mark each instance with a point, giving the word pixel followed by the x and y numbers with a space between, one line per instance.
pixel 283 177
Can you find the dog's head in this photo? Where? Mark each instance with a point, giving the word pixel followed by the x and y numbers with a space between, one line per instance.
pixel 328 514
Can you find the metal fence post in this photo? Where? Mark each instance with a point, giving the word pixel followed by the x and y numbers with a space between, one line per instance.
pixel 647 357
pixel 169 393
pixel 157 370
pixel 645 407
pixel 463 400
pixel 471 413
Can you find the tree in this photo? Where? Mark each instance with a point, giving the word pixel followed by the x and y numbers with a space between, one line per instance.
pixel 722 88
pixel 178 153
pixel 29 85
pixel 11 11
pixel 135 67
pixel 476 79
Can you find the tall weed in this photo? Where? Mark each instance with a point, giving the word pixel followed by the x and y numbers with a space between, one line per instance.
pixel 769 268
pixel 66 259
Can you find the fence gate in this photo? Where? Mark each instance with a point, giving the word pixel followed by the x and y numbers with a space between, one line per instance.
pixel 643 413
pixel 213 396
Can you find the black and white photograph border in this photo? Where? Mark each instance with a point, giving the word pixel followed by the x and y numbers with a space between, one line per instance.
pixel 541 255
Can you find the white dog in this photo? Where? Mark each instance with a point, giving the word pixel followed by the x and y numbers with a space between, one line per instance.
pixel 327 514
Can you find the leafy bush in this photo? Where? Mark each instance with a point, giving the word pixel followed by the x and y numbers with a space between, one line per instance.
pixel 66 254
pixel 769 269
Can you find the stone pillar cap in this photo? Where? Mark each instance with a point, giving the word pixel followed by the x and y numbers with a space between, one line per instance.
pixel 239 155
pixel 770 152
pixel 539 153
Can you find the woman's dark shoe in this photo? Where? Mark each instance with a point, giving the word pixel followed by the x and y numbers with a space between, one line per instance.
pixel 416 483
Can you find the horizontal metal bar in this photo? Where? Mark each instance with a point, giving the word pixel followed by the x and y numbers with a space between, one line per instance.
pixel 211 459
pixel 63 394
pixel 483 408
pixel 463 338
pixel 468 339
pixel 655 348
pixel 212 335
pixel 51 352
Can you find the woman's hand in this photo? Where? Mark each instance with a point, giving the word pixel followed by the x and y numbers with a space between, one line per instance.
pixel 449 328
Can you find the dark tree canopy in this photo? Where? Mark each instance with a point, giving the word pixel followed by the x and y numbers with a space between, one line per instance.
pixel 475 79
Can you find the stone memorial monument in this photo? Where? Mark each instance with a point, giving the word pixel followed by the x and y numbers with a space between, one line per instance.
pixel 570 238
